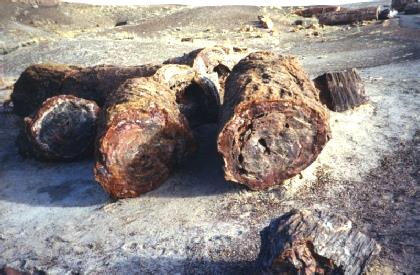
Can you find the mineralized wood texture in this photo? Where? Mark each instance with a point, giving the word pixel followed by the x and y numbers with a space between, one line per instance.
pixel 141 137
pixel 64 128
pixel 341 90
pixel 349 16
pixel 412 8
pixel 314 242
pixel 273 125
pixel 42 81
pixel 316 11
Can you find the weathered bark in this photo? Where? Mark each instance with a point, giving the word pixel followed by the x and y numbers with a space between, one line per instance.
pixel 314 242
pixel 349 16
pixel 412 8
pixel 316 11
pixel 64 128
pixel 39 82
pixel 197 95
pixel 342 90
pixel 141 137
pixel 273 123
pixel 400 5
pixel 216 59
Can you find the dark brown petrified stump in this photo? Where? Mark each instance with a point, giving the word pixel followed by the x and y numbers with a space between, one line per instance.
pixel 341 90
pixel 141 137
pixel 42 81
pixel 314 242
pixel 349 16
pixel 64 128
pixel 272 123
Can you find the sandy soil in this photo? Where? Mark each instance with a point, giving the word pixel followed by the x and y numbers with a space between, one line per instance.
pixel 55 218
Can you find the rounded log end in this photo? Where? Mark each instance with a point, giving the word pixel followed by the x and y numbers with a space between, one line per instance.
pixel 63 128
pixel 267 142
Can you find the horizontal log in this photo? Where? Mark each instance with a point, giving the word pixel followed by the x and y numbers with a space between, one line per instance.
pixel 41 81
pixel 342 90
pixel 400 5
pixel 64 128
pixel 349 16
pixel 142 136
pixel 272 123
pixel 316 11
pixel 314 242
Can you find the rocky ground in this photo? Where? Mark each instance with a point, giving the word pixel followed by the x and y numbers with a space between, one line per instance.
pixel 55 218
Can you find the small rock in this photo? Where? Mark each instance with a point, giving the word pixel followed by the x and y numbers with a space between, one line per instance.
pixel 187 39
pixel 121 23
pixel 35 6
pixel 298 22
pixel 265 22
pixel 315 33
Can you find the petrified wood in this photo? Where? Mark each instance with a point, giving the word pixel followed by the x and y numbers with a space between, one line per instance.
pixel 400 5
pixel 316 11
pixel 349 16
pixel 314 242
pixel 197 95
pixel 272 123
pixel 63 128
pixel 412 8
pixel 141 137
pixel 341 90
pixel 42 81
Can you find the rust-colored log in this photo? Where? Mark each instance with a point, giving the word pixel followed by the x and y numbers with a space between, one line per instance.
pixel 314 242
pixel 349 16
pixel 197 95
pixel 42 81
pixel 400 5
pixel 141 137
pixel 273 125
pixel 316 11
pixel 412 8
pixel 342 90
pixel 216 59
pixel 64 128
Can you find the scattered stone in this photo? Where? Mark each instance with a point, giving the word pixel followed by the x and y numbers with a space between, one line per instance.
pixel 265 22
pixel 314 242
pixel 121 22
pixel 298 22
pixel 187 39
pixel 342 90
pixel 412 8
pixel 272 122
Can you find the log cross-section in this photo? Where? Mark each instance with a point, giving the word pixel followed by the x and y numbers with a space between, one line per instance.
pixel 272 123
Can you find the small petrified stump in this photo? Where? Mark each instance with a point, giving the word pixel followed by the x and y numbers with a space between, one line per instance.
pixel 265 22
pixel 42 81
pixel 341 90
pixel 314 242
pixel 412 8
pixel 141 137
pixel 349 16
pixel 400 5
pixel 272 123
pixel 316 11
pixel 197 95
pixel 64 128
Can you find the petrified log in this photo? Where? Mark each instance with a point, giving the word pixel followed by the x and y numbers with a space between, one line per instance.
pixel 341 90
pixel 400 5
pixel 316 11
pixel 64 128
pixel 197 95
pixel 349 16
pixel 39 82
pixel 216 59
pixel 412 8
pixel 273 125
pixel 314 242
pixel 141 137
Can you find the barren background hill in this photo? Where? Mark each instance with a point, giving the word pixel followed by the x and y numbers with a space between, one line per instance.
pixel 56 218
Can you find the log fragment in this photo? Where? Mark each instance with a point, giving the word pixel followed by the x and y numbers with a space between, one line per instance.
pixel 314 242
pixel 42 81
pixel 342 90
pixel 64 128
pixel 272 123
pixel 349 16
pixel 316 11
pixel 412 8
pixel 141 137
pixel 400 5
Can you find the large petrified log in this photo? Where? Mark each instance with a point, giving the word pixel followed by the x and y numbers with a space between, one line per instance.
pixel 316 11
pixel 64 128
pixel 273 125
pixel 349 16
pixel 412 8
pixel 42 81
pixel 141 137
pixel 341 90
pixel 314 242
